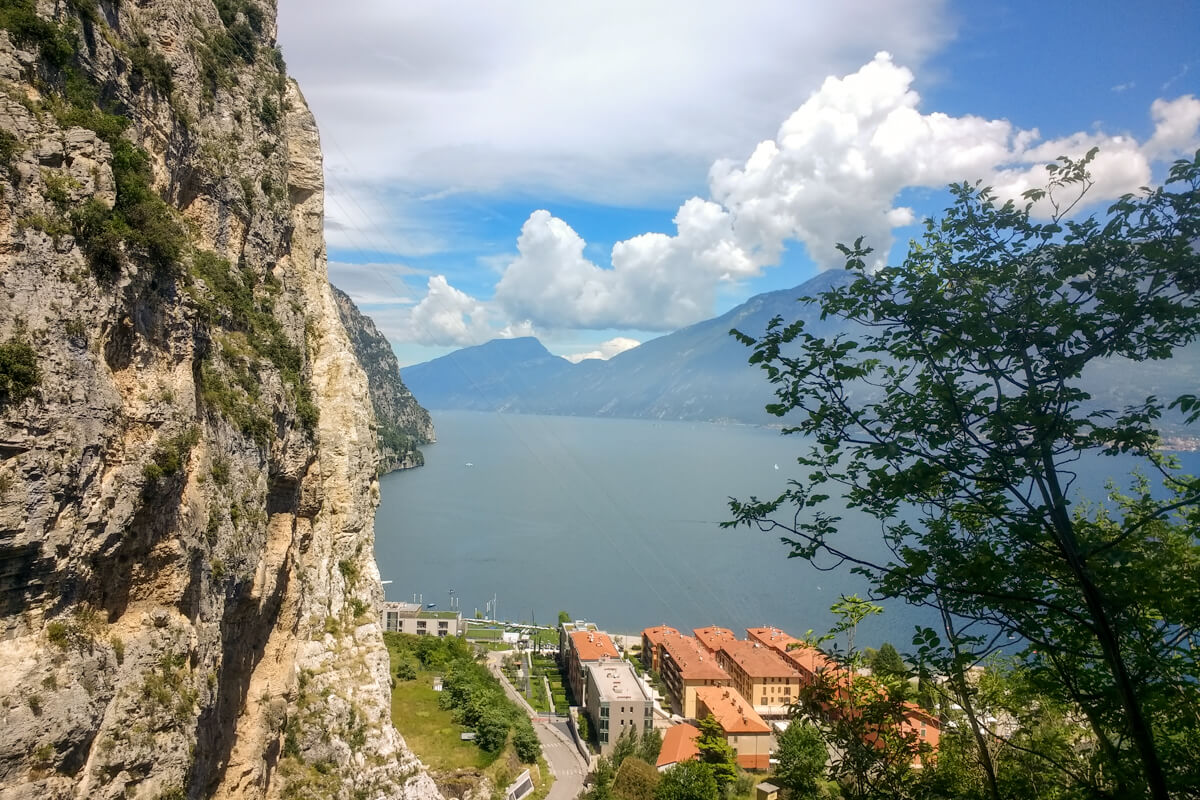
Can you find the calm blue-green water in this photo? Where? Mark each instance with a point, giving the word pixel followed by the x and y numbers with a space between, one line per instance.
pixel 611 520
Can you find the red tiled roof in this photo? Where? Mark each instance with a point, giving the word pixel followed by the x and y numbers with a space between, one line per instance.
pixel 771 637
pixel 694 663
pixel 657 634
pixel 713 637
pixel 758 661
pixel 731 710
pixel 678 745
pixel 593 645
pixel 807 658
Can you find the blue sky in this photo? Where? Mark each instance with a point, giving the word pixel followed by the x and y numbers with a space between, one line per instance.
pixel 600 174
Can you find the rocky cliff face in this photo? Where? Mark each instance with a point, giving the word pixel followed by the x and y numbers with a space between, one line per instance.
pixel 403 424
pixel 187 462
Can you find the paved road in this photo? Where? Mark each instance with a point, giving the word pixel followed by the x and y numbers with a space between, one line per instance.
pixel 566 764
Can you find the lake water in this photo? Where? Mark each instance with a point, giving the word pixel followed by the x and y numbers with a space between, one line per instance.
pixel 612 520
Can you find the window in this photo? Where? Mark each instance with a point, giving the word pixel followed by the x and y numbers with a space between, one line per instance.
pixel 604 711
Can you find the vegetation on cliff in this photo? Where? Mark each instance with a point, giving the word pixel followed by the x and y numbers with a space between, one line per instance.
pixel 172 373
pixel 403 423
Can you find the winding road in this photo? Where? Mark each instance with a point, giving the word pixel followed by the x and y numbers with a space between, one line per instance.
pixel 566 764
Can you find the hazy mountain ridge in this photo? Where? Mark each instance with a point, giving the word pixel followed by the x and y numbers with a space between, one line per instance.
pixel 696 373
pixel 700 372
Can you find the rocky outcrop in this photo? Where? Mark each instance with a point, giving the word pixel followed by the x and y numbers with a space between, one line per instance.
pixel 403 423
pixel 187 457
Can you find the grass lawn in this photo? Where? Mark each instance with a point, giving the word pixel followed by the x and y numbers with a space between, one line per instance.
pixel 549 637
pixel 430 731
pixel 479 632
pixel 433 736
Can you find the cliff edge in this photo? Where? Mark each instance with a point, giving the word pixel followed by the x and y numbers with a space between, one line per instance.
pixel 403 423
pixel 187 455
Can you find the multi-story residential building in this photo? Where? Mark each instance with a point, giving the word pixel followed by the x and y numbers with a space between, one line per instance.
pixel 616 702
pixel 416 619
pixel 808 660
pixel 762 676
pixel 652 639
pixel 747 733
pixel 712 637
pixel 771 637
pixel 580 643
pixel 926 727
pixel 684 666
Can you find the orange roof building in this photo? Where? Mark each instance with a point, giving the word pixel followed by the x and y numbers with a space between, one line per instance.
pixel 678 745
pixel 747 733
pixel 849 694
pixel 593 645
pixel 761 675
pixel 808 660
pixel 652 639
pixel 581 643
pixel 712 637
pixel 684 666
pixel 771 637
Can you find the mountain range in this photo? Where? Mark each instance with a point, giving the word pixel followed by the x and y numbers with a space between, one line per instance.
pixel 700 372
pixel 696 373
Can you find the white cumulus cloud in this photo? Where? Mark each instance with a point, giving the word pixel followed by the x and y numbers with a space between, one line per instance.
pixel 447 316
pixel 621 101
pixel 831 174
pixel 1176 125
pixel 605 351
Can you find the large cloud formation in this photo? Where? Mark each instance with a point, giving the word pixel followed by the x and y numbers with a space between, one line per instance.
pixel 615 102
pixel 831 174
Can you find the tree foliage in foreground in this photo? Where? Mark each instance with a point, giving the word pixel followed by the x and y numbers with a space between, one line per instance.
pixel 956 419
pixel 687 780
pixel 801 754
pixel 716 752
pixel 635 780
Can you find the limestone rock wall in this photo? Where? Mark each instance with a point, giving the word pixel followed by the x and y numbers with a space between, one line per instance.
pixel 187 463
pixel 403 423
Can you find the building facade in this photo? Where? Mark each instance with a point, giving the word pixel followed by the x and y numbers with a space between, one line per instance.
pixel 616 703
pixel 652 639
pixel 580 643
pixel 761 675
pixel 414 618
pixel 685 666
pixel 747 733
